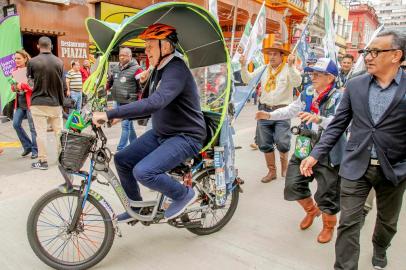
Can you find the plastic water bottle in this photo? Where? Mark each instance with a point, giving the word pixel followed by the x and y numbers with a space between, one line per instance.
pixel 221 190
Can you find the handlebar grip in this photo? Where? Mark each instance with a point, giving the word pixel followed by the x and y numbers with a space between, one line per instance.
pixel 101 121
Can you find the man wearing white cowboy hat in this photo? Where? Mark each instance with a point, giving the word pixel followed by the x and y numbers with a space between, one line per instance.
pixel 277 82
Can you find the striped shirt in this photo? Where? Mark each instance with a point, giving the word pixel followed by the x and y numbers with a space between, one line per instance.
pixel 75 80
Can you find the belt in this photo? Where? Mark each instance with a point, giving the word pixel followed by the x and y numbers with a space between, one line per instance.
pixel 272 108
pixel 374 162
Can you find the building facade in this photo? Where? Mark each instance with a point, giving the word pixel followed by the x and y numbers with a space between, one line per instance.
pixel 392 13
pixel 63 21
pixel 340 13
pixel 364 21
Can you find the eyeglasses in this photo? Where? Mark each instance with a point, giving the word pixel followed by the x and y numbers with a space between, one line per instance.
pixel 374 52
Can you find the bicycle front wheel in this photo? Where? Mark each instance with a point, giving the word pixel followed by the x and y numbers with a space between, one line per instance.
pixel 55 245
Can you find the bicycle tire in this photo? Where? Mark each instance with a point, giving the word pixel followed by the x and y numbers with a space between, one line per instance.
pixel 227 217
pixel 53 262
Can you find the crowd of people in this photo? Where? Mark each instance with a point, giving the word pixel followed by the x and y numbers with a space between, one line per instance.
pixel 350 140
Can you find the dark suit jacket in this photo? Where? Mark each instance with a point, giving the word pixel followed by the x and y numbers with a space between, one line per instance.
pixel 388 134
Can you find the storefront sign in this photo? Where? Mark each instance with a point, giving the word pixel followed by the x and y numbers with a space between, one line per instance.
pixel 117 14
pixel 74 50
pixel 7 64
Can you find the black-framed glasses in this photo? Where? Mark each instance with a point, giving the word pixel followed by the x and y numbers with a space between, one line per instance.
pixel 374 52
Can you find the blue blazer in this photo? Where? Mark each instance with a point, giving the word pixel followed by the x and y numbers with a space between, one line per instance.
pixel 388 134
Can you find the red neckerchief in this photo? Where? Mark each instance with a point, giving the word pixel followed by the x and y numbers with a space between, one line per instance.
pixel 315 104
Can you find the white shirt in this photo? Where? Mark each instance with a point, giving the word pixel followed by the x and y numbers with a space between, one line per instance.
pixel 287 79
pixel 292 110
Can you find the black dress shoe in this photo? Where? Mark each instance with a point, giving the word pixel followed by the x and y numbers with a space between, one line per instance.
pixel 26 152
pixel 34 156
pixel 379 260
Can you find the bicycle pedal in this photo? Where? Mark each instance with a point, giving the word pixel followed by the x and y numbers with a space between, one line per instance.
pixel 192 224
pixel 132 222
pixel 118 231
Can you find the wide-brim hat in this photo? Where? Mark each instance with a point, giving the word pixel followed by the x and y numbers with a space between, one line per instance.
pixel 276 46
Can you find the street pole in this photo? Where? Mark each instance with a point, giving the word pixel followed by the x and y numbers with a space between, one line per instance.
pixel 233 30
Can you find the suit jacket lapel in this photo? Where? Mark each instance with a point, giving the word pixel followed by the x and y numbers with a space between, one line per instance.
pixel 400 93
pixel 364 91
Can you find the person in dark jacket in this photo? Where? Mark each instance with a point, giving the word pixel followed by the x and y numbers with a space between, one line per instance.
pixel 125 88
pixel 45 72
pixel 178 127
pixel 375 154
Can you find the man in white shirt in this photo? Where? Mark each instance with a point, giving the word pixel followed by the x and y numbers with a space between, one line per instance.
pixel 278 81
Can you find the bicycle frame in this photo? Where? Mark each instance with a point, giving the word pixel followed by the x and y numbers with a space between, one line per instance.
pixel 105 171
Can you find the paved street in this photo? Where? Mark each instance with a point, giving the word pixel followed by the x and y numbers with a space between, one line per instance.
pixel 263 233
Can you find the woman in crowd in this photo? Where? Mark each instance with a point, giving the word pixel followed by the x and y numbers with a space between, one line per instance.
pixel 22 108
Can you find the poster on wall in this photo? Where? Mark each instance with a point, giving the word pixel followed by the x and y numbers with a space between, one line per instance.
pixel 10 28
pixel 117 14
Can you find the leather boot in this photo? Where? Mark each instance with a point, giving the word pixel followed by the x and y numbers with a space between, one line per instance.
pixel 329 222
pixel 284 162
pixel 312 211
pixel 270 163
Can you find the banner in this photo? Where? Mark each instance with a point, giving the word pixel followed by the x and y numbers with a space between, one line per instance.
pixel 235 62
pixel 213 8
pixel 257 34
pixel 251 42
pixel 303 49
pixel 10 29
pixel 330 37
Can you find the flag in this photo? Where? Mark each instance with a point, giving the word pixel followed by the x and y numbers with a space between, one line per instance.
pixel 257 34
pixel 330 37
pixel 10 42
pixel 235 62
pixel 303 49
pixel 213 8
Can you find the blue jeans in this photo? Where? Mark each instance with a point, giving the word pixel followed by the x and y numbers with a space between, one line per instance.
pixel 273 132
pixel 77 97
pixel 127 132
pixel 18 118
pixel 147 159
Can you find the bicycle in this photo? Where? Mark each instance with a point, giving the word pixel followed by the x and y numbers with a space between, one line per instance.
pixel 73 227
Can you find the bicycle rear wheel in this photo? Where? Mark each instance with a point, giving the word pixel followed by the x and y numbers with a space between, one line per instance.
pixel 47 231
pixel 217 216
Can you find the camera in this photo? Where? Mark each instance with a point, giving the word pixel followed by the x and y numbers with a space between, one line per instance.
pixel 302 131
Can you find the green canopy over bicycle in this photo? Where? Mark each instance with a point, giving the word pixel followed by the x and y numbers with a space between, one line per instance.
pixel 200 41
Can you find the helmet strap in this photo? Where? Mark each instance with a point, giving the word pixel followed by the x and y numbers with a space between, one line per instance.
pixel 160 53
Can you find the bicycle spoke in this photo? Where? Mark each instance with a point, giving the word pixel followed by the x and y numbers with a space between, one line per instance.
pixel 71 247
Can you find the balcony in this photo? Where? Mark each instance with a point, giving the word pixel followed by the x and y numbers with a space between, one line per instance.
pixel 296 7
pixel 318 21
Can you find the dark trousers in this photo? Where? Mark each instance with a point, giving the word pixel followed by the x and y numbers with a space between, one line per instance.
pixel 147 159
pixel 273 132
pixel 353 197
pixel 327 195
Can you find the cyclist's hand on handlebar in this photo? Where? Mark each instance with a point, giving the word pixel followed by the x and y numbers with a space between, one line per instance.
pixel 99 118
pixel 115 121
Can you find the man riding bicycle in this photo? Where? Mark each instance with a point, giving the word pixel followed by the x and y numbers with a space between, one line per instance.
pixel 178 125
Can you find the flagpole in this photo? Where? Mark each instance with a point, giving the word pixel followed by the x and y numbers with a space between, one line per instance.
pixel 234 23
pixel 305 28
